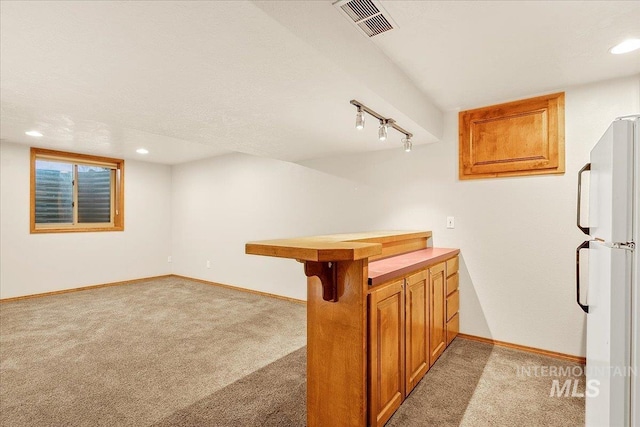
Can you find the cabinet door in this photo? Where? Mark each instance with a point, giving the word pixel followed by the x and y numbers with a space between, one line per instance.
pixel 416 328
pixel 386 351
pixel 438 326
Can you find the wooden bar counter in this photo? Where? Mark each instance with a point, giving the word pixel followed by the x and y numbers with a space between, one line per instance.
pixel 339 357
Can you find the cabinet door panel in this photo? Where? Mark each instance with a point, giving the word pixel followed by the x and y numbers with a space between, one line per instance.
pixel 438 327
pixel 416 328
pixel 386 328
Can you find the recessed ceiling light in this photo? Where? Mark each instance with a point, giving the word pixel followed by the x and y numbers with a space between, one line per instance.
pixel 142 151
pixel 33 133
pixel 626 46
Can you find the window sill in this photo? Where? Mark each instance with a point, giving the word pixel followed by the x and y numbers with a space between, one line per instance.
pixel 74 230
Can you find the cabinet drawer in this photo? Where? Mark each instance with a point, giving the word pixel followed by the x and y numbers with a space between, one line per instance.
pixel 453 327
pixel 452 283
pixel 453 303
pixel 452 266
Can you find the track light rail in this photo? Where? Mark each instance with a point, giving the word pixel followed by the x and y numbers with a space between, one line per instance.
pixel 383 120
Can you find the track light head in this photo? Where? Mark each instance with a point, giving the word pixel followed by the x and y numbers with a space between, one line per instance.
pixel 382 130
pixel 408 145
pixel 360 119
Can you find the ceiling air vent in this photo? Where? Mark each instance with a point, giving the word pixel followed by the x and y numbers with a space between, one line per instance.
pixel 368 15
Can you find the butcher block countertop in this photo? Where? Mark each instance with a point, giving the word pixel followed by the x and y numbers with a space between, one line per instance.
pixel 341 247
pixel 389 268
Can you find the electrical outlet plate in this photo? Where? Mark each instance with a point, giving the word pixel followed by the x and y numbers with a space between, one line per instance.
pixel 208 264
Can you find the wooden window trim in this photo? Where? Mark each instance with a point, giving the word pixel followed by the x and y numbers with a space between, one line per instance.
pixel 117 184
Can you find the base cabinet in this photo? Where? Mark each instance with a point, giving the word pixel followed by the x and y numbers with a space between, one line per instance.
pixel 411 322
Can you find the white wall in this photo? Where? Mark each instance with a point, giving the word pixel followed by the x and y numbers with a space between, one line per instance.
pixel 517 235
pixel 37 263
pixel 221 203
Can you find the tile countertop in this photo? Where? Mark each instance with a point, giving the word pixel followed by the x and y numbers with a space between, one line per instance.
pixel 397 266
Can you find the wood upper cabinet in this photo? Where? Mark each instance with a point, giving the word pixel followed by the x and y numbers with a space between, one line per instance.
pixel 416 328
pixel 438 325
pixel 524 137
pixel 386 351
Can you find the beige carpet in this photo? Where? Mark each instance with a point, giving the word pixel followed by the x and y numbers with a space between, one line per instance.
pixel 178 353
pixel 475 385
pixel 472 384
pixel 132 355
pixel 273 396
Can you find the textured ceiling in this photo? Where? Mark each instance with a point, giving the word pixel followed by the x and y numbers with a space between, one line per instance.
pixel 188 80
pixel 468 54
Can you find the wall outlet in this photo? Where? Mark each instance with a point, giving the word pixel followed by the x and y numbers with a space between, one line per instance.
pixel 208 264
pixel 169 259
pixel 451 222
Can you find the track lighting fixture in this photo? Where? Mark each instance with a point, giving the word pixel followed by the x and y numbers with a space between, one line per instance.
pixel 385 124
pixel 408 145
pixel 382 131
pixel 360 119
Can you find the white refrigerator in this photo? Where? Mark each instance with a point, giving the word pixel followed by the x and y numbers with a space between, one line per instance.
pixel 611 298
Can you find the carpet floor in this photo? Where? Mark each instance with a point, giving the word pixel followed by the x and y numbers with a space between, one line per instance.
pixel 472 384
pixel 172 352
pixel 131 355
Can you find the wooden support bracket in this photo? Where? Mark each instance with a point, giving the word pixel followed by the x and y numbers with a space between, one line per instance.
pixel 327 272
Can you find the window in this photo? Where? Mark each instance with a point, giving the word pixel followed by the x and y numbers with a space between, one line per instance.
pixel 75 192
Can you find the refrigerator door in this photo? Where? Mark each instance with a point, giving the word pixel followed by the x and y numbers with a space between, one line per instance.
pixel 611 184
pixel 608 337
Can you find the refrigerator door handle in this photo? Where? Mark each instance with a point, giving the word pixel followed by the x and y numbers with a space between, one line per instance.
pixel 586 168
pixel 584 245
